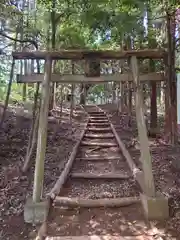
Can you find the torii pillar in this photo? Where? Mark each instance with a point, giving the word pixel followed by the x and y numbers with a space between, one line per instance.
pixel 35 209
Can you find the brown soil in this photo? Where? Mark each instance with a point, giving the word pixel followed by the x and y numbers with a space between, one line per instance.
pixel 126 221
pixel 15 187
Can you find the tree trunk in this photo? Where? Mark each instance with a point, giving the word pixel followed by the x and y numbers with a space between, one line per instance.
pixel 9 86
pixel 61 102
pixel 129 88
pixel 125 95
pixel 122 97
pixel 162 97
pixel 113 92
pixel 24 85
pixel 129 104
pixel 153 121
pixel 72 94
pixel 24 90
pixel 167 127
pixel 152 44
pixel 83 94
pixel 53 44
pixel 171 83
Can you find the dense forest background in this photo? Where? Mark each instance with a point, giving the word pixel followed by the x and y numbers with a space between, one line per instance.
pixel 50 24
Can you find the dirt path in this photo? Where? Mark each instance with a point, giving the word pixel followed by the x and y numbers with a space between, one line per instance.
pixel 123 221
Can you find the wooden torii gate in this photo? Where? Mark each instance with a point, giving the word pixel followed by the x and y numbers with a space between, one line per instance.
pixel 91 55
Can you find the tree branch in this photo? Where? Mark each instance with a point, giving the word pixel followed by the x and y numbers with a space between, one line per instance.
pixel 178 39
pixel 21 41
pixel 177 46
pixel 6 46
pixel 156 18
pixel 61 15
pixel 58 18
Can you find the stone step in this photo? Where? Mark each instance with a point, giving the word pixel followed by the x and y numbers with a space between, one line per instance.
pixel 93 129
pixel 98 158
pixel 98 117
pixel 99 124
pixel 101 144
pixel 98 120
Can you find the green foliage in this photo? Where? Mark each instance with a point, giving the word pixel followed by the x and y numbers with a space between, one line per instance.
pixel 16 95
pixel 3 77
pixel 84 24
pixel 120 17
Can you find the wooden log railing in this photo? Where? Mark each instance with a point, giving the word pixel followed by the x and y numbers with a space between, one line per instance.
pixel 89 203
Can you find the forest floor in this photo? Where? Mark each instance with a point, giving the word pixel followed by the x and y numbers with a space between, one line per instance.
pixel 15 187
